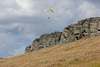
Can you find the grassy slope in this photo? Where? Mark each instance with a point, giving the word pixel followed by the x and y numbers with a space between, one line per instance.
pixel 84 53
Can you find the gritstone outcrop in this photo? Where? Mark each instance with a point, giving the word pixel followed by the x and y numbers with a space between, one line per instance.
pixel 45 41
pixel 86 28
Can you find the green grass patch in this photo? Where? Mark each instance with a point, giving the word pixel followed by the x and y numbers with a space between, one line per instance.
pixel 78 62
pixel 95 65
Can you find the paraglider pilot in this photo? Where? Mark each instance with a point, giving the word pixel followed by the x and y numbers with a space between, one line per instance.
pixel 48 17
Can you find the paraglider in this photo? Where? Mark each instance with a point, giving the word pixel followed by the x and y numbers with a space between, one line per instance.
pixel 49 10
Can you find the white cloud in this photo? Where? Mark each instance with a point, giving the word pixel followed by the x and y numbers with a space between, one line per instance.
pixel 17 8
pixel 11 41
pixel 87 9
pixel 7 3
pixel 25 4
pixel 63 14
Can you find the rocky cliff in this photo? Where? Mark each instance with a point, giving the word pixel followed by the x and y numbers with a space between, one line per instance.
pixel 45 41
pixel 86 28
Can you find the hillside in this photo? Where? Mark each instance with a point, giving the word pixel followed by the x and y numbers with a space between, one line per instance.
pixel 82 53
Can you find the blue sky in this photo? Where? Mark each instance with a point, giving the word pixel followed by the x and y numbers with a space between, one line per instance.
pixel 21 21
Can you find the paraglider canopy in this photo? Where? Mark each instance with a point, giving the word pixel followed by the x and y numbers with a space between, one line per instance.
pixel 49 10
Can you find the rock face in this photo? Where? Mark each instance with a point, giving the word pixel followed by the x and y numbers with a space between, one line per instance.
pixel 1 58
pixel 83 29
pixel 45 41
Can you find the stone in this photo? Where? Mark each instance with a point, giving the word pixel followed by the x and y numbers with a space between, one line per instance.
pixel 85 28
pixel 45 41
pixel 28 49
pixel 1 58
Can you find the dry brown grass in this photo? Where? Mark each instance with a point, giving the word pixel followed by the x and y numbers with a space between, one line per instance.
pixel 84 53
